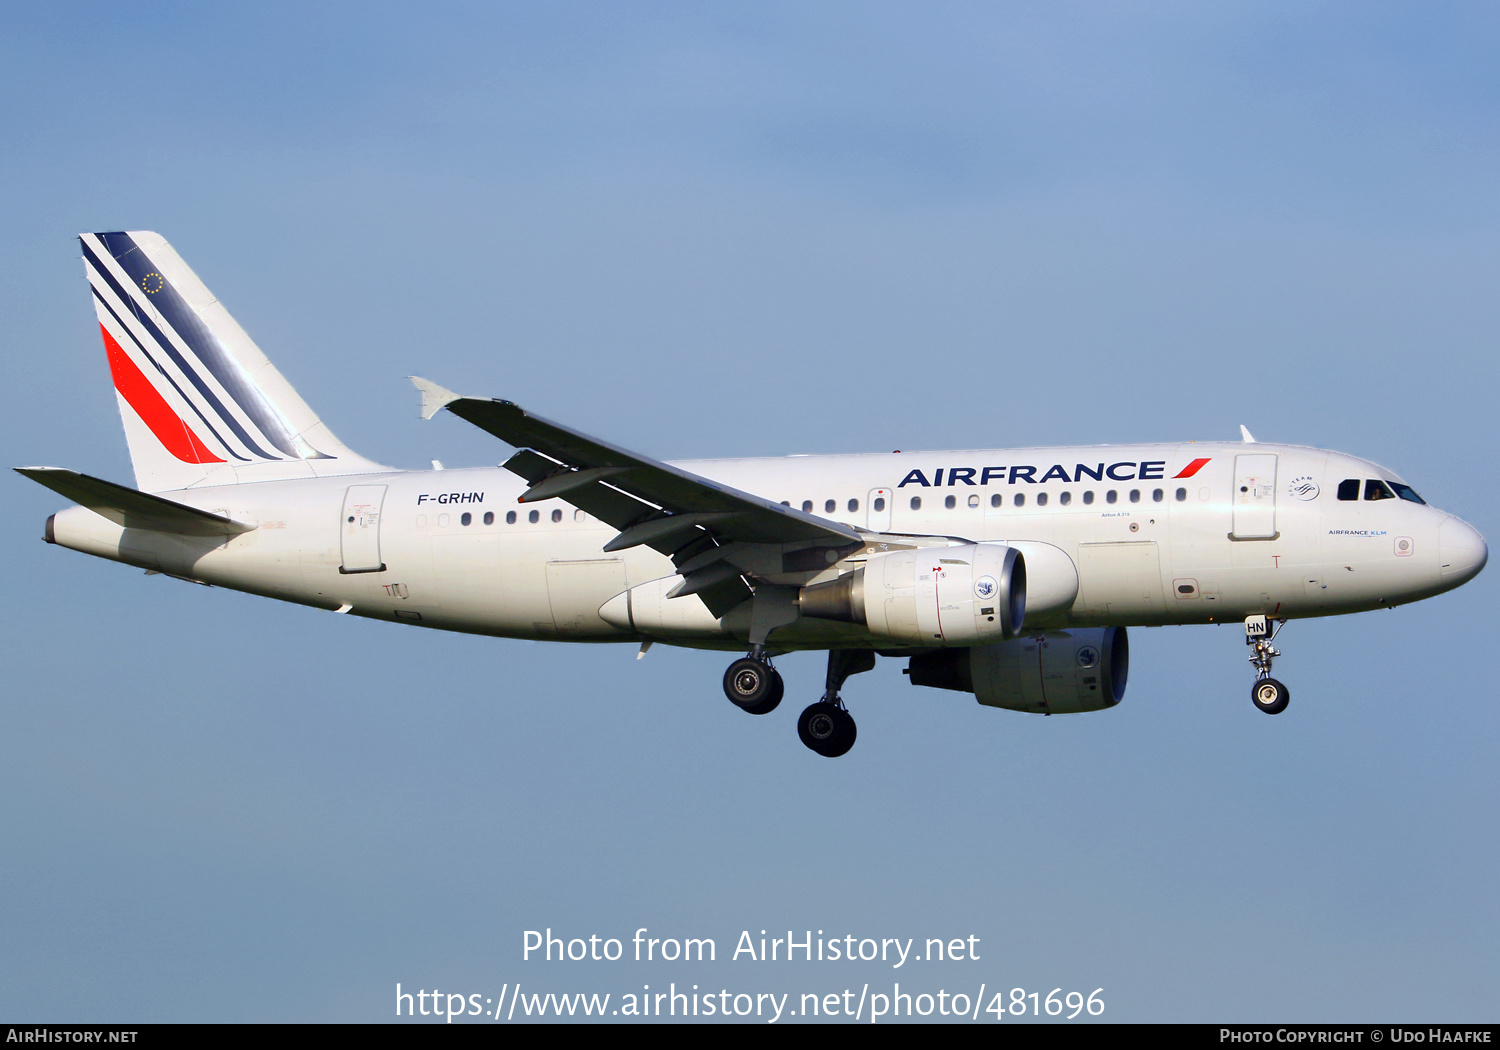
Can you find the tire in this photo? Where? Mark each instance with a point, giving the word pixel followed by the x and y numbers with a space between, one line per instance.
pixel 753 686
pixel 1270 696
pixel 770 703
pixel 845 737
pixel 826 729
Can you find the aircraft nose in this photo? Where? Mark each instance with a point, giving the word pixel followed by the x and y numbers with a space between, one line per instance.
pixel 1461 551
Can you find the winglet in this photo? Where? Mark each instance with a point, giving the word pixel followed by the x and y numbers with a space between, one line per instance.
pixel 1245 435
pixel 434 397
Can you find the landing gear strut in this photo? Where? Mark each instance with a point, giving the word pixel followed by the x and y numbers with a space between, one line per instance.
pixel 1267 693
pixel 826 726
pixel 752 684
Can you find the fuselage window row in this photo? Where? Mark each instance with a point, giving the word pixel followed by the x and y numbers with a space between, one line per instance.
pixel 997 501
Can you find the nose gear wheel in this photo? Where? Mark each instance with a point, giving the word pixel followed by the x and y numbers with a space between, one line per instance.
pixel 1270 696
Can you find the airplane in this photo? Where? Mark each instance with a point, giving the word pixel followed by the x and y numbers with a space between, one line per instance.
pixel 1010 574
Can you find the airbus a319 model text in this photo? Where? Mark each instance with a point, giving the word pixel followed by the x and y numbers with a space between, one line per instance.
pixel 1010 574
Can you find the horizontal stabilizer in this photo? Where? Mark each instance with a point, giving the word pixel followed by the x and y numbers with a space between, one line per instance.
pixel 131 508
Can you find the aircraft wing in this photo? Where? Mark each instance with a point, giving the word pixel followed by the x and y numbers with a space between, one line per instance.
pixel 672 510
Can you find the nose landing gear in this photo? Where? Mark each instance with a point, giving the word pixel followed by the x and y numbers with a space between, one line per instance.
pixel 1266 693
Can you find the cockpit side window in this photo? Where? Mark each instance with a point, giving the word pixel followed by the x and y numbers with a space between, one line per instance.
pixel 1376 489
pixel 1406 492
pixel 1349 490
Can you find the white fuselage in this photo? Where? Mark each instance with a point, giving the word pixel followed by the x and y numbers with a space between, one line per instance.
pixel 1256 529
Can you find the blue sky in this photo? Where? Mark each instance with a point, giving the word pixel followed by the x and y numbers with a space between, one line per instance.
pixel 704 230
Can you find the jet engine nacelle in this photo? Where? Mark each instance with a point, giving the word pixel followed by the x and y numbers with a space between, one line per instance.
pixel 961 595
pixel 1059 672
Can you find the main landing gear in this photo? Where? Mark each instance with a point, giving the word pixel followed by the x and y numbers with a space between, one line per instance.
pixel 1267 693
pixel 826 727
pixel 752 684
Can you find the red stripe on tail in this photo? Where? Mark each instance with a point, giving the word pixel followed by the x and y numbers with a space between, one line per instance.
pixel 153 409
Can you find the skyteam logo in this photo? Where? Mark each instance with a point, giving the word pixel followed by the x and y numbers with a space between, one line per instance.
pixel 1303 488
pixel 986 588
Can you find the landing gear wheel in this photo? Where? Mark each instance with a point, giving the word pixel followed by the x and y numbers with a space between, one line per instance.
pixel 753 685
pixel 827 729
pixel 1270 696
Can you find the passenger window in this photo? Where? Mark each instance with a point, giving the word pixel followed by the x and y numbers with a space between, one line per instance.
pixel 807 506
pixel 1375 489
pixel 510 517
pixel 465 518
pixel 489 517
pixel 1181 495
pixel 1135 495
pixel 973 501
pixel 916 503
pixel 829 506
pixel 1020 499
pixel 557 516
pixel 1065 498
pixel 853 505
pixel 879 502
pixel 950 502
pixel 1111 496
pixel 1156 495
pixel 1349 490
pixel 996 500
pixel 534 517
pixel 1088 497
pixel 1041 499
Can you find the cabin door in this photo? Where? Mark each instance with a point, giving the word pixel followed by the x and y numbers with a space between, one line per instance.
pixel 1255 497
pixel 359 529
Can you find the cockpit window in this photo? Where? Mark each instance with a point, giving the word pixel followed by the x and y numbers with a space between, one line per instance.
pixel 1406 492
pixel 1349 489
pixel 1375 489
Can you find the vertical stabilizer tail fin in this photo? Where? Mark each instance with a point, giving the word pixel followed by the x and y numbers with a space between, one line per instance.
pixel 200 402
